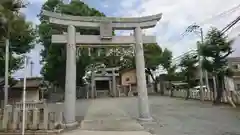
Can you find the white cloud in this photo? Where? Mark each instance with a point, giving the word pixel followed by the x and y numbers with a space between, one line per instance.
pixel 35 1
pixel 128 4
pixel 178 14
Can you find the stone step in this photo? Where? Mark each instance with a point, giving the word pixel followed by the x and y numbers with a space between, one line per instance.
pixel 111 125
pixel 85 132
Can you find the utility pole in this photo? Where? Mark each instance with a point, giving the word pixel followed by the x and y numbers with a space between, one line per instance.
pixel 200 74
pixel 205 71
pixel 31 68
pixel 7 46
pixel 6 72
pixel 24 94
pixel 192 28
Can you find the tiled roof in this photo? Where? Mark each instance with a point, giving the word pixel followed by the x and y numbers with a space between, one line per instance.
pixel 30 83
pixel 126 70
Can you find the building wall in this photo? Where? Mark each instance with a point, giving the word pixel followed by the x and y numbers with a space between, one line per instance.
pixel 32 95
pixel 16 96
pixel 129 77
pixel 234 64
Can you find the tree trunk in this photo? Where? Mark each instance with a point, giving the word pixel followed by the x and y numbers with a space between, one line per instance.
pixel 188 89
pixel 188 94
pixel 220 88
pixel 214 88
pixel 154 81
pixel 155 86
pixel 171 89
pixel 161 87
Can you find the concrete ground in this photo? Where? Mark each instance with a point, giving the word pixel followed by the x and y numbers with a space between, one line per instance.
pixel 171 116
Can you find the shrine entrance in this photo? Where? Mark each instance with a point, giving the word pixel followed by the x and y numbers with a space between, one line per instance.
pixel 104 83
pixel 106 25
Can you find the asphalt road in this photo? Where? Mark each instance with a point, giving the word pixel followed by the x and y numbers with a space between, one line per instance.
pixel 173 116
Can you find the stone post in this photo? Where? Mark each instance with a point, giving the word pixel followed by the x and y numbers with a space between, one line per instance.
pixel 144 113
pixel 114 84
pixel 93 84
pixel 110 87
pixel 70 80
pixel 35 118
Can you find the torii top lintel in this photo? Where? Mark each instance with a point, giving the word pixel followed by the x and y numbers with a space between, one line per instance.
pixel 94 22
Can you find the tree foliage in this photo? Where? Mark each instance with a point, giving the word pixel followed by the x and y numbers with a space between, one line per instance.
pixel 188 66
pixel 20 33
pixel 152 56
pixel 216 48
pixel 53 55
pixel 166 63
pixel 116 57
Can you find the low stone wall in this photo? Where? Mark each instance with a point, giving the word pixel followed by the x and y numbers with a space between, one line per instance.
pixel 39 116
pixel 207 95
pixel 128 90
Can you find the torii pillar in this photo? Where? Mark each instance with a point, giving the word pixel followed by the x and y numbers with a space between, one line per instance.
pixel 70 78
pixel 143 106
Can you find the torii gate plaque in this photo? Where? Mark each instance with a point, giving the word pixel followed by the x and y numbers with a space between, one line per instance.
pixel 106 25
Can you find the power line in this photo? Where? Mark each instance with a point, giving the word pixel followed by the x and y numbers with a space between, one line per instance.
pixel 206 20
pixel 225 29
pixel 221 14
pixel 226 12
pixel 180 56
pixel 230 25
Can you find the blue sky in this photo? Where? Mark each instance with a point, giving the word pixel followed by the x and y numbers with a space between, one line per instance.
pixel 177 15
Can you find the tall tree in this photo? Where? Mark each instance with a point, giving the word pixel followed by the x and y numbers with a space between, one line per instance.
pixel 216 48
pixel 188 66
pixel 20 33
pixel 166 63
pixel 54 56
pixel 152 55
pixel 113 57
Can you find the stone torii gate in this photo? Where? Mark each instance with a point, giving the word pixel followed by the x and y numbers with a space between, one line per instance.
pixel 106 25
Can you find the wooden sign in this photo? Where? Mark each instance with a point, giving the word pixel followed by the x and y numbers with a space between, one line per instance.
pixel 106 30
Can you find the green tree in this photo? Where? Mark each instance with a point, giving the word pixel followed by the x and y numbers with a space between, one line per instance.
pixel 54 56
pixel 215 49
pixel 188 66
pixel 20 33
pixel 111 57
pixel 166 63
pixel 152 56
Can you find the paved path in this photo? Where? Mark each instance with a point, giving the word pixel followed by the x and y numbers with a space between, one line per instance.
pixel 172 116
pixel 104 117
